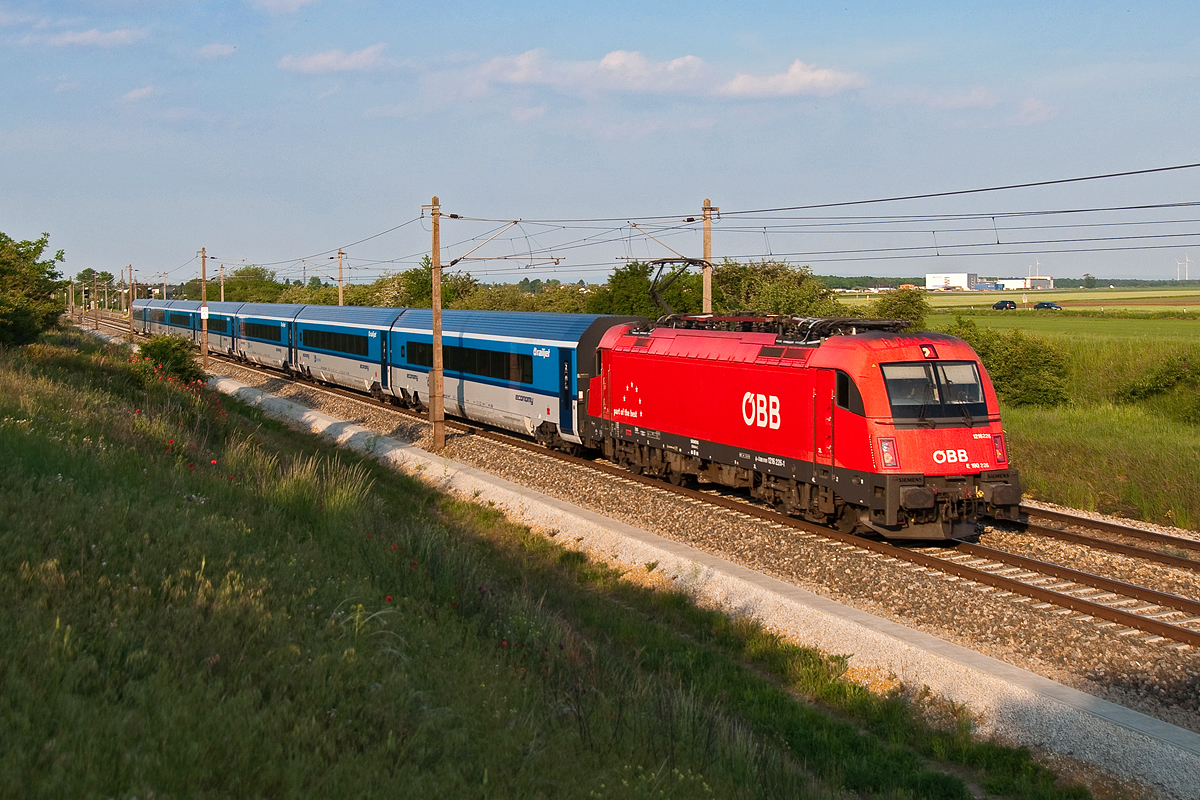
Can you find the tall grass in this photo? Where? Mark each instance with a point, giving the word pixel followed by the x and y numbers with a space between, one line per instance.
pixel 1118 459
pixel 196 602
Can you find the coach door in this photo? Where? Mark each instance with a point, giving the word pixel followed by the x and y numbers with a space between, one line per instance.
pixel 565 395
pixel 383 359
pixel 823 388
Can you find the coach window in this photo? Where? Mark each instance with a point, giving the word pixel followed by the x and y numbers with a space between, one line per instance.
pixel 848 396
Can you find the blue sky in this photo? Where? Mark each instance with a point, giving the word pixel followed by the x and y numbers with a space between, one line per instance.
pixel 269 131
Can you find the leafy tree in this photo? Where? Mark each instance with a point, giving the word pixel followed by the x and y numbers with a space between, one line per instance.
pixel 511 297
pixel 313 283
pixel 1089 280
pixel 252 284
pixel 413 288
pixel 1026 370
pixel 771 287
pixel 628 292
pixel 27 283
pixel 909 304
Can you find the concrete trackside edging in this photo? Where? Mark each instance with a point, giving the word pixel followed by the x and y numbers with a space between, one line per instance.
pixel 1017 706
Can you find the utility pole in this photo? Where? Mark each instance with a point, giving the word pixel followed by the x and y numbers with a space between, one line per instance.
pixel 707 301
pixel 340 263
pixel 132 297
pixel 164 287
pixel 437 413
pixel 222 283
pixel 204 307
pixel 95 301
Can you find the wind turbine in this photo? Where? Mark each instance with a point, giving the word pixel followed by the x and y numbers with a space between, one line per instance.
pixel 1178 264
pixel 1186 260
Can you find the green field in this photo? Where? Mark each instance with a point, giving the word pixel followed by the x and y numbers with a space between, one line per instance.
pixel 1143 300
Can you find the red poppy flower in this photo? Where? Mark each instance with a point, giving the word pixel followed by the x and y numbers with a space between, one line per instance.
pixel 388 598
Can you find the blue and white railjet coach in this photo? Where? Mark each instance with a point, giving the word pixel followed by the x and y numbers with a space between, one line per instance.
pixel 524 372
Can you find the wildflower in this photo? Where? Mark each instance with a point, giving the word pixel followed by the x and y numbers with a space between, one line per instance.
pixel 170 441
pixel 214 462
pixel 504 642
pixel 395 547
pixel 388 598
pixel 137 411
pixel 191 465
pixel 412 563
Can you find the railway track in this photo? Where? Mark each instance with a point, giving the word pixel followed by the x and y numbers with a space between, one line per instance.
pixel 1115 604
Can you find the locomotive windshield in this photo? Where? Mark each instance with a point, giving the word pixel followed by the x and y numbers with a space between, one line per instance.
pixel 937 390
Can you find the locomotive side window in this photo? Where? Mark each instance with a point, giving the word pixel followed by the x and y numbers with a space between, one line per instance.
pixel 935 390
pixel 848 396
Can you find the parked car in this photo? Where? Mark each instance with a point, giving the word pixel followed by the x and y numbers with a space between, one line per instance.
pixel 1047 306
pixel 1004 305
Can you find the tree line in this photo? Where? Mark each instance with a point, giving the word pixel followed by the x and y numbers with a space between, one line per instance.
pixel 32 296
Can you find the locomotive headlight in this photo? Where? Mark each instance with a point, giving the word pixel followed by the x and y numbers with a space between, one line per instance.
pixel 887 449
pixel 1001 453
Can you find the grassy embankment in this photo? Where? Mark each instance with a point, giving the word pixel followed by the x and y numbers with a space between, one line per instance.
pixel 195 602
pixel 1139 459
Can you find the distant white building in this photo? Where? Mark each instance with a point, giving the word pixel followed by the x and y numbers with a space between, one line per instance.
pixel 1036 282
pixel 950 280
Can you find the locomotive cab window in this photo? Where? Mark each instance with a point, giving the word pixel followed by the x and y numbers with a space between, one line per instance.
pixel 945 390
pixel 848 396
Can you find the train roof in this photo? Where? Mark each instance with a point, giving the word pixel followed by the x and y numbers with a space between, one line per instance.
pixel 518 325
pixel 376 316
pixel 279 311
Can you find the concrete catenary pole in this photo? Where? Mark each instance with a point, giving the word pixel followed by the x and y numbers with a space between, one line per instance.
pixel 340 276
pixel 204 307
pixel 96 300
pixel 132 297
pixel 436 406
pixel 222 283
pixel 707 299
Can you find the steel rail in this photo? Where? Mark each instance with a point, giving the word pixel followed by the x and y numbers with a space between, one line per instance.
pixel 1178 562
pixel 1085 578
pixel 1112 527
pixel 1089 608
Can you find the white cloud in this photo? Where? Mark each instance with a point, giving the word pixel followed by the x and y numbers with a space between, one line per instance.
pixel 1033 111
pixel 800 78
pixel 217 50
pixel 97 37
pixel 335 61
pixel 282 6
pixel 138 95
pixel 620 70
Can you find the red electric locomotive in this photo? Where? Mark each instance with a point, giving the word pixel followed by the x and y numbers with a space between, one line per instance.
pixel 844 421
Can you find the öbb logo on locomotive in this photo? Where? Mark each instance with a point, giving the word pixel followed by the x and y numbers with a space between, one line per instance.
pixel 950 456
pixel 761 411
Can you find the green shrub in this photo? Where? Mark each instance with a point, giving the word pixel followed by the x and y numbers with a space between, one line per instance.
pixel 909 304
pixel 170 357
pixel 1026 370
pixel 1166 376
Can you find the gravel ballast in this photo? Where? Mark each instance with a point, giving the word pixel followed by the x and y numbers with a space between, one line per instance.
pixel 746 567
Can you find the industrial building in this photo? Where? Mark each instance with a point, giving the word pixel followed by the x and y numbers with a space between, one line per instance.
pixel 946 281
